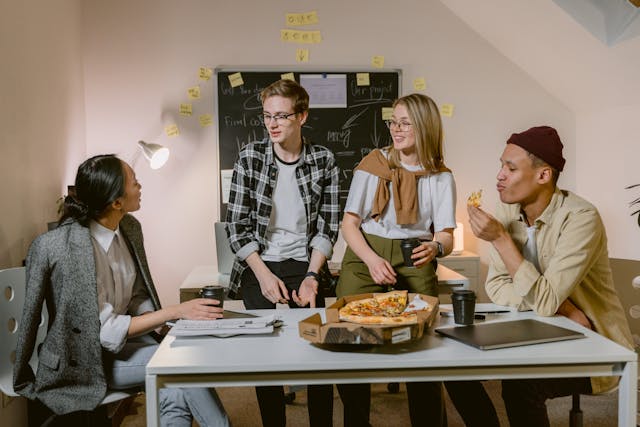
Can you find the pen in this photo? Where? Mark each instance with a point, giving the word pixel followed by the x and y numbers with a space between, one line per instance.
pixel 492 311
pixel 476 316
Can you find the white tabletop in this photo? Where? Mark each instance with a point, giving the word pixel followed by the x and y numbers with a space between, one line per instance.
pixel 286 351
pixel 285 358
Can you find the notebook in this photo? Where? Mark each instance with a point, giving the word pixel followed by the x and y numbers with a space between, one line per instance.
pixel 489 336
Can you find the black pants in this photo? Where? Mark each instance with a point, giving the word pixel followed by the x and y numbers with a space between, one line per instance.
pixel 271 398
pixel 426 406
pixel 525 400
pixel 473 403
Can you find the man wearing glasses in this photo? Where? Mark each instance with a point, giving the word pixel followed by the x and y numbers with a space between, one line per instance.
pixel 282 222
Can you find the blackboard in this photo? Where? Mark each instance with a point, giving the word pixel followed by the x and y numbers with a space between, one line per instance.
pixel 350 132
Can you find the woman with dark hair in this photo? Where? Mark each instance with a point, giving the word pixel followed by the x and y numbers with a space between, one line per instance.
pixel 92 274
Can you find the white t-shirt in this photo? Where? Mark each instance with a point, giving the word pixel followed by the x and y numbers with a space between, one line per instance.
pixel 436 203
pixel 287 231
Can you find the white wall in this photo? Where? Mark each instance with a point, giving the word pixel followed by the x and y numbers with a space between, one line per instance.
pixel 598 83
pixel 42 122
pixel 607 163
pixel 140 58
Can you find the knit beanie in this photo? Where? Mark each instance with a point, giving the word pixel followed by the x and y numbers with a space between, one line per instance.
pixel 543 142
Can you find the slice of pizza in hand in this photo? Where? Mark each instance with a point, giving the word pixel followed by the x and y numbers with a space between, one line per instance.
pixel 475 199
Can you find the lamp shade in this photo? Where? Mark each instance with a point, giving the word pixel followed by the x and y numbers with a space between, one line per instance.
pixel 156 154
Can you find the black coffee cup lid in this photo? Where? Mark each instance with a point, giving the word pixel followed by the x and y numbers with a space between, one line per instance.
pixel 463 293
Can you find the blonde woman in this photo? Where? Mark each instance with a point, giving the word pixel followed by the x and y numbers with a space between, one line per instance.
pixel 403 191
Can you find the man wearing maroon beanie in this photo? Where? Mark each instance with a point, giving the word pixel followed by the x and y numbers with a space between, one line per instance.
pixel 549 254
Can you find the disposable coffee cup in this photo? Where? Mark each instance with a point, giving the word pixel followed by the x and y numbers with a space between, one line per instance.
pixel 213 292
pixel 464 305
pixel 407 246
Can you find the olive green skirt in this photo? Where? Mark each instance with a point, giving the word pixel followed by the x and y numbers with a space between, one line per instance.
pixel 355 277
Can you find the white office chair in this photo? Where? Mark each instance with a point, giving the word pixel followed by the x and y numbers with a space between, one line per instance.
pixel 12 286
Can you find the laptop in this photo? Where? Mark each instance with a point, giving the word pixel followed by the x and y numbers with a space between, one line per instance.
pixel 489 336
pixel 223 253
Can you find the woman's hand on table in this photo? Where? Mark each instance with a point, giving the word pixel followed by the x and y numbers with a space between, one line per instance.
pixel 199 309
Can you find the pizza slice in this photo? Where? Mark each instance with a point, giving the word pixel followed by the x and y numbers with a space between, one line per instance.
pixel 475 199
pixel 392 303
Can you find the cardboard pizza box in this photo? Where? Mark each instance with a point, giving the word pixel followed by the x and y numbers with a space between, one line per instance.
pixel 336 332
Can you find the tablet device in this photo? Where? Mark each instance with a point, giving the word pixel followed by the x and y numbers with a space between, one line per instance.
pixel 488 336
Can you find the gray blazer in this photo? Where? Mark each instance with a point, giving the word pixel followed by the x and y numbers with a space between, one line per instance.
pixel 61 273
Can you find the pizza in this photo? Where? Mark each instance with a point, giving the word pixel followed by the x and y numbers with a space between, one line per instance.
pixel 475 199
pixel 382 309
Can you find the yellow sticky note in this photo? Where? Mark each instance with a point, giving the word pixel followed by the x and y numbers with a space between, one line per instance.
pixel 310 18
pixel 297 36
pixel 387 112
pixel 419 83
pixel 302 55
pixel 446 110
pixel 186 109
pixel 285 35
pixel 296 19
pixel 293 19
pixel 205 73
pixel 288 76
pixel 236 79
pixel 362 79
pixel 377 61
pixel 306 37
pixel 172 130
pixel 205 120
pixel 194 92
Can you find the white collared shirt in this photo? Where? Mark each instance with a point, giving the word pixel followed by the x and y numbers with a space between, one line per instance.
pixel 116 277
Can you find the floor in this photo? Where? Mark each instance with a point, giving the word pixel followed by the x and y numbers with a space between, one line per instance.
pixel 389 409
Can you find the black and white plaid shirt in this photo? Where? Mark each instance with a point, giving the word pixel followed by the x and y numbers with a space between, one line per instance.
pixel 250 203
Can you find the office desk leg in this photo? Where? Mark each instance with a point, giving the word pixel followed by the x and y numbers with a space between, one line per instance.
pixel 628 395
pixel 151 390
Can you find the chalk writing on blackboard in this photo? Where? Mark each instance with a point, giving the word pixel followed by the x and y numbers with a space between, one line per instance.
pixel 351 130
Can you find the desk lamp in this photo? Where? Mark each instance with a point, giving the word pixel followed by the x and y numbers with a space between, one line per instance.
pixel 156 154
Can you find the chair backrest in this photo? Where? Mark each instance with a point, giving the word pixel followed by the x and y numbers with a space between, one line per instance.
pixel 12 285
pixel 223 253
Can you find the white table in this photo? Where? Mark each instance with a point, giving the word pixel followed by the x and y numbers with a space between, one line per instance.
pixel 285 358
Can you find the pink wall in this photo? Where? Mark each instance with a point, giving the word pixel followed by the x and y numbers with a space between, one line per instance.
pixel 141 57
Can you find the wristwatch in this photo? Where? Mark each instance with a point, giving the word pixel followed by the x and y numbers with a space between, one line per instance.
pixel 314 275
pixel 440 249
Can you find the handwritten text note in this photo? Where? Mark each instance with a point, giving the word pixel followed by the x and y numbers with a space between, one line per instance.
pixel 297 19
pixel 194 92
pixel 362 79
pixel 236 79
pixel 205 120
pixel 419 83
pixel 446 110
pixel 205 73
pixel 377 61
pixel 186 109
pixel 172 130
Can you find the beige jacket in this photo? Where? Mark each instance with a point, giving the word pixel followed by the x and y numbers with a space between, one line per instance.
pixel 572 254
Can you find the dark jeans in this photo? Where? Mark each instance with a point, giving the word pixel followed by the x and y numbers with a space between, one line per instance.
pixel 472 403
pixel 426 406
pixel 525 400
pixel 271 398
